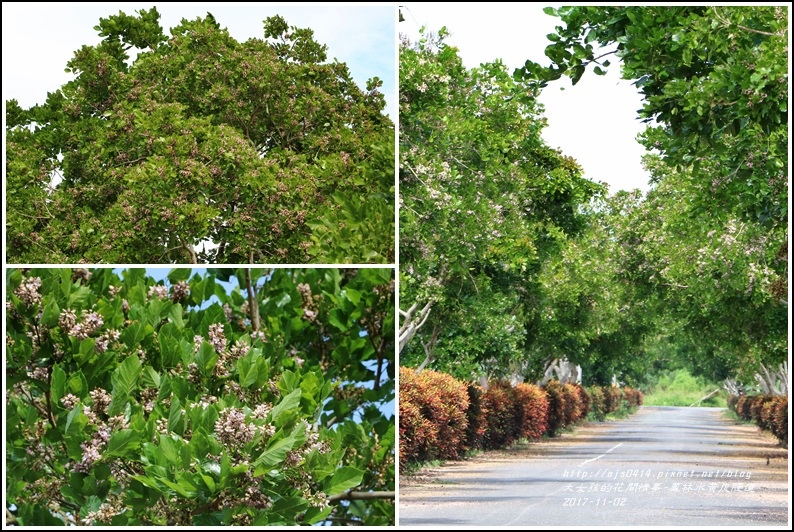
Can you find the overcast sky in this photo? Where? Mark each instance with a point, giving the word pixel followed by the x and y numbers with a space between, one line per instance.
pixel 594 122
pixel 39 38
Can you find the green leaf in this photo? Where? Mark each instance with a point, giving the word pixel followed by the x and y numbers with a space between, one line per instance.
pixel 78 297
pixel 124 380
pixel 252 369
pixel 168 450
pixel 76 411
pixel 577 73
pixel 273 455
pixel 175 415
pixel 179 274
pixel 150 378
pixel 343 479
pixel 352 295
pixel 134 334
pixel 175 315
pixel 57 384
pixel 51 311
pixel 206 358
pixel 125 377
pixel 77 384
pixel 338 319
pixel 178 488
pixel 123 444
pixel 283 300
pixel 288 403
pixel 315 515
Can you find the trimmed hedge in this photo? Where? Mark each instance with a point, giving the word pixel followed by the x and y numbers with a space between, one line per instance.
pixel 504 415
pixel 432 415
pixel 612 398
pixel 443 418
pixel 557 407
pixel 770 412
pixel 632 397
pixel 597 402
pixel 534 406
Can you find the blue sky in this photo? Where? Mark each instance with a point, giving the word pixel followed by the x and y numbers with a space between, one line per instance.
pixel 39 38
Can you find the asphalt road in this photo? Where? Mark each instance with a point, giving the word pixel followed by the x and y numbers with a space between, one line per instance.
pixel 663 466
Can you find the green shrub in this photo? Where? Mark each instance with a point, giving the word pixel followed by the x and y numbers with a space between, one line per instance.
pixel 597 402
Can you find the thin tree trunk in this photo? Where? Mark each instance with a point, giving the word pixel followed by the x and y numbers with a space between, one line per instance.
pixel 253 301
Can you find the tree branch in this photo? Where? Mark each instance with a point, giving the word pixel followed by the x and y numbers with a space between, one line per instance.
pixel 410 324
pixel 728 23
pixel 351 495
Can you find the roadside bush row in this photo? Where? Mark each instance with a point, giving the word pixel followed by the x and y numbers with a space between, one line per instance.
pixel 443 418
pixel 770 412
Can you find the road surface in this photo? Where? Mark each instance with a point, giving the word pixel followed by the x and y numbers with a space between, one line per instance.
pixel 663 466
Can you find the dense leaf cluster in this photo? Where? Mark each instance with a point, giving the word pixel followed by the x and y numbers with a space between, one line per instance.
pixel 135 402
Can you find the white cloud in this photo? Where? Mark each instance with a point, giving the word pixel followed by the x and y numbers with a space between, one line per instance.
pixel 594 122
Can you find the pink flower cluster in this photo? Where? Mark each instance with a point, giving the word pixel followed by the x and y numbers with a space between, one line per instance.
pixel 231 428
pixel 180 291
pixel 217 338
pixel 159 291
pixel 91 322
pixel 28 291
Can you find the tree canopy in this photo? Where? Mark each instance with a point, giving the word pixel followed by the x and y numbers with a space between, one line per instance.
pixel 711 238
pixel 509 258
pixel 198 401
pixel 483 202
pixel 201 149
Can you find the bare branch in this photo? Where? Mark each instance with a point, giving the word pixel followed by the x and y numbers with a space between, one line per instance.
pixel 361 496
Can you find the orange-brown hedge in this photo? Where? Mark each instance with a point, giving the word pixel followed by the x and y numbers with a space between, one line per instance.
pixel 504 416
pixel 768 412
pixel 597 402
pixel 780 417
pixel 534 407
pixel 442 418
pixel 432 416
pixel 632 397
pixel 575 409
pixel 612 398
pixel 557 407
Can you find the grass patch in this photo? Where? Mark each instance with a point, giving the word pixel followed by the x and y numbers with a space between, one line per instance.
pixel 680 388
pixel 411 468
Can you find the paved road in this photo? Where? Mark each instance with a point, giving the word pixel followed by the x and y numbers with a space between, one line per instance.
pixel 663 466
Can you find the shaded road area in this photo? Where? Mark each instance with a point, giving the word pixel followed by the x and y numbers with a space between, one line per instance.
pixel 663 466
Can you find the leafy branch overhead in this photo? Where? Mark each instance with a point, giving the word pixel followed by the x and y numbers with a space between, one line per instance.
pixel 201 148
pixel 715 85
